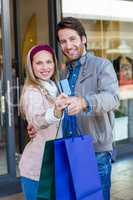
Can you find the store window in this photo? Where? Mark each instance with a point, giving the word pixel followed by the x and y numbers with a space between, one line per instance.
pixel 114 41
pixel 109 28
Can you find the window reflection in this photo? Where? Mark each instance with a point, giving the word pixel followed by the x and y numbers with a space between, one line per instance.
pixel 114 41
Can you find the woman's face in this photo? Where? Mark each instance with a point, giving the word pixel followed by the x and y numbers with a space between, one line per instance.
pixel 43 65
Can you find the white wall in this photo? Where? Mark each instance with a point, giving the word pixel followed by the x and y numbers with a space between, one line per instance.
pixel 93 9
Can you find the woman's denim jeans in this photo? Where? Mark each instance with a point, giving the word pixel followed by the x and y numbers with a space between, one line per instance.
pixel 29 188
pixel 104 168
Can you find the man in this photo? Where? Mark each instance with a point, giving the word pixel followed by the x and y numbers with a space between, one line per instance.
pixel 96 93
pixel 94 84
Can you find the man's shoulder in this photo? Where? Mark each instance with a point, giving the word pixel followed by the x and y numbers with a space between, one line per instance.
pixel 96 60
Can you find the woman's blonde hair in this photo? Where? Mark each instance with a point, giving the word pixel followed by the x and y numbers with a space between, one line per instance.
pixel 31 80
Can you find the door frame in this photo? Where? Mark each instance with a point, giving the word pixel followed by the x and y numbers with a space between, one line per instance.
pixel 6 44
pixel 8 182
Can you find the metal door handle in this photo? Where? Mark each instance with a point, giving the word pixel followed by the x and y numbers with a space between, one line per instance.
pixel 2 103
pixel 2 109
pixel 18 96
pixel 9 103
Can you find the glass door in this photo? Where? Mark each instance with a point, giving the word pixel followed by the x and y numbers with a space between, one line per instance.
pixel 7 144
pixel 23 24
pixel 31 27
pixel 3 136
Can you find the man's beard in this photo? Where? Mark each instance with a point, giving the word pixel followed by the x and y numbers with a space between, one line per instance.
pixel 79 49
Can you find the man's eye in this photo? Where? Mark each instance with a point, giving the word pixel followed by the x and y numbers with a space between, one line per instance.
pixel 62 42
pixel 72 38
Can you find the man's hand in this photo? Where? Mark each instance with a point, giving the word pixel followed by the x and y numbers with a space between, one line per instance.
pixel 76 104
pixel 31 131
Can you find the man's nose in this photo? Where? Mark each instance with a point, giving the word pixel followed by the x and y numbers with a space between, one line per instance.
pixel 69 45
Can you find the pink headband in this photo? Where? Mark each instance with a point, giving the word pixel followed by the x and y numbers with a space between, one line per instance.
pixel 40 47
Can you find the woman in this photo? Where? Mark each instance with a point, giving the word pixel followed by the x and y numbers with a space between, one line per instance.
pixel 40 106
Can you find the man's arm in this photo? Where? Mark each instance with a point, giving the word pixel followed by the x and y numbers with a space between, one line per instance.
pixel 107 97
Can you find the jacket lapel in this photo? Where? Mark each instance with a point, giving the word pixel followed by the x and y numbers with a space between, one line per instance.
pixel 86 69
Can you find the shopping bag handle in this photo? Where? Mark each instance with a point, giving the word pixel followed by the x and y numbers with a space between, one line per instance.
pixel 73 127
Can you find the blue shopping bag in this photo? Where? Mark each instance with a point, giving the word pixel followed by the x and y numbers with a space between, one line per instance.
pixel 76 172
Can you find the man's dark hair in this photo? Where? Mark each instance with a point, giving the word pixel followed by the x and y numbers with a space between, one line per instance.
pixel 72 23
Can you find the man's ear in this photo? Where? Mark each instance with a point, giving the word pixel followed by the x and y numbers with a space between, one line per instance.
pixel 84 40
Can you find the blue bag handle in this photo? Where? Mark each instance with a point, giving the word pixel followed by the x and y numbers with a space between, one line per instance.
pixel 73 127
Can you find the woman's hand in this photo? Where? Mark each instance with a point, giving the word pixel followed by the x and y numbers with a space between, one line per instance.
pixel 61 103
pixel 31 131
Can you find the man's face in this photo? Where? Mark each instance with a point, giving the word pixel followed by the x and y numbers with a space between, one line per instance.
pixel 72 45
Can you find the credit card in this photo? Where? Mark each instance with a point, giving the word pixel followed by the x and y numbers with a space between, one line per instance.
pixel 64 87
